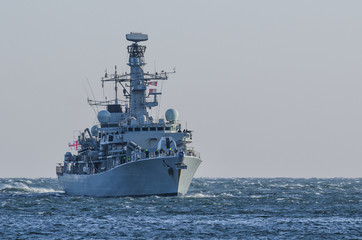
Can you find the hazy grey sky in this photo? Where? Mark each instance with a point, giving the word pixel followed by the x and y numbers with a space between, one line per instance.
pixel 271 88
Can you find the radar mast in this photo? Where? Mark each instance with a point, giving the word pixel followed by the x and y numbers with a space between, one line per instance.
pixel 135 93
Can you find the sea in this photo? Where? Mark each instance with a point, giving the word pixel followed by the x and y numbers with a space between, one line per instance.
pixel 214 208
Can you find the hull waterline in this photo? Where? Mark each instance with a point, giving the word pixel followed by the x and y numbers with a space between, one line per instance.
pixel 155 176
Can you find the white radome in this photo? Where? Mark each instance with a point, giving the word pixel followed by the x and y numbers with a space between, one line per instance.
pixel 104 116
pixel 171 115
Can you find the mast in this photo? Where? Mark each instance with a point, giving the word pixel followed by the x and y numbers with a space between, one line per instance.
pixel 137 82
pixel 115 85
pixel 135 92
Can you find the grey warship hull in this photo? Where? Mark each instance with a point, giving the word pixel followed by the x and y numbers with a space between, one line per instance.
pixel 168 176
pixel 128 152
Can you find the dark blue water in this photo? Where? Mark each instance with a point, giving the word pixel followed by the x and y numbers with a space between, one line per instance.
pixel 215 208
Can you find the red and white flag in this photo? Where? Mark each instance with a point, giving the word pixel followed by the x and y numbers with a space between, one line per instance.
pixel 152 90
pixel 152 83
pixel 74 145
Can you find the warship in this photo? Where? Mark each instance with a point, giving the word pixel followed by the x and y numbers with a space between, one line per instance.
pixel 129 152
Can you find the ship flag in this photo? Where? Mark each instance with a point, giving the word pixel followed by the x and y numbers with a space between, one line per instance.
pixel 152 90
pixel 74 145
pixel 152 83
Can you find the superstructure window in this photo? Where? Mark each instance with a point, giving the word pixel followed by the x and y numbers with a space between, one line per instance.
pixel 110 138
pixel 168 128
pixel 130 129
pixel 144 129
pixel 152 129
pixel 137 129
pixel 160 128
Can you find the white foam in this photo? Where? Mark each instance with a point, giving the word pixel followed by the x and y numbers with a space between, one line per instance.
pixel 227 195
pixel 256 196
pixel 23 187
pixel 200 195
pixel 42 190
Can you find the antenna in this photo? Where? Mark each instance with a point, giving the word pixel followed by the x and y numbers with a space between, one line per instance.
pixel 92 91
pixel 159 105
pixel 85 90
pixel 115 84
pixel 136 37
pixel 138 81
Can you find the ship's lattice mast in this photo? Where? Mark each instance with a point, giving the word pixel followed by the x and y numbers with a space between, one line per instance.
pixel 137 82
pixel 135 92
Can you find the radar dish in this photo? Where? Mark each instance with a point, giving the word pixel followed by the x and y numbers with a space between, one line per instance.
pixel 136 37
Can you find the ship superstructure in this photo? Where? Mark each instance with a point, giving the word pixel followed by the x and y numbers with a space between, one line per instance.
pixel 129 153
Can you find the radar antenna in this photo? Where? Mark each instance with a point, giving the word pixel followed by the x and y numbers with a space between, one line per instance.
pixel 136 83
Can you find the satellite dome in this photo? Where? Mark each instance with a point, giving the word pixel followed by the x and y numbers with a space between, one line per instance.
pixel 104 116
pixel 171 115
pixel 94 130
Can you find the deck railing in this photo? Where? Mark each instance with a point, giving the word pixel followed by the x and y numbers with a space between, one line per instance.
pixel 172 154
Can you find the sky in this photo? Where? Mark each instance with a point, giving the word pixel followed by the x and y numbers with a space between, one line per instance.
pixel 270 88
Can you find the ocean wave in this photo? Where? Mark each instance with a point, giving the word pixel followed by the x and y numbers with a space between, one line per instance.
pixel 200 195
pixel 26 189
pixel 26 186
